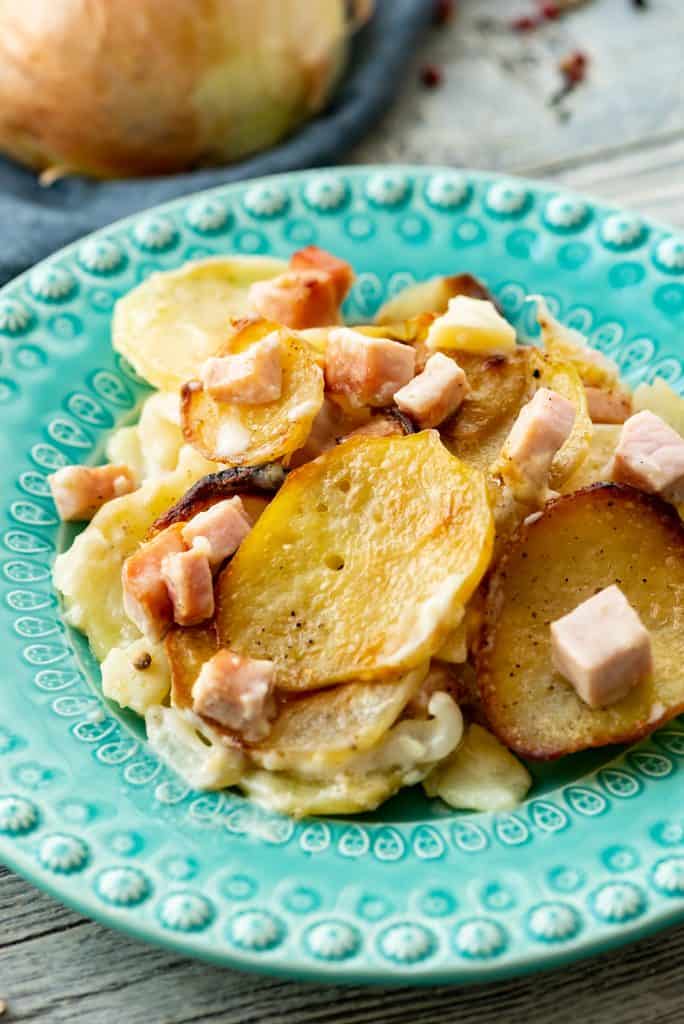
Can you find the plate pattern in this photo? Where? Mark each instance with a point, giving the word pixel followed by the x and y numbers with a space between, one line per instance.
pixel 87 811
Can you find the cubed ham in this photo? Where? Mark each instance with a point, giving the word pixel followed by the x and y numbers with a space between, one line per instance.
pixel 219 530
pixel 252 377
pixel 367 370
pixel 650 456
pixel 237 692
pixel 608 406
pixel 313 258
pixel 79 491
pixel 541 429
pixel 602 647
pixel 435 393
pixel 187 575
pixel 297 299
pixel 146 597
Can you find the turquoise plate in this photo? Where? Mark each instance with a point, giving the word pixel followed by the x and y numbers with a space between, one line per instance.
pixel 415 892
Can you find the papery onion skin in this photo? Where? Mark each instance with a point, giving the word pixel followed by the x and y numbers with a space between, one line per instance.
pixel 142 87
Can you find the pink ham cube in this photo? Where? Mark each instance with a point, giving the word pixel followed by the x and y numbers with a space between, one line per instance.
pixel 650 457
pixel 219 530
pixel 146 598
pixel 602 648
pixel 541 429
pixel 252 377
pixel 187 575
pixel 312 258
pixel 297 299
pixel 608 406
pixel 368 371
pixel 79 491
pixel 434 394
pixel 237 692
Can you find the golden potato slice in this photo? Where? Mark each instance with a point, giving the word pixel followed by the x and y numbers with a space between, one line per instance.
pixel 89 573
pixel 480 775
pixel 173 321
pixel 247 435
pixel 582 543
pixel 317 734
pixel 568 345
pixel 286 793
pixel 187 649
pixel 359 567
pixel 663 400
pixel 499 386
pixel 595 466
pixel 431 297
pixel 564 378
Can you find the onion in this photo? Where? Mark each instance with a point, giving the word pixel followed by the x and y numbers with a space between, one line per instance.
pixel 113 88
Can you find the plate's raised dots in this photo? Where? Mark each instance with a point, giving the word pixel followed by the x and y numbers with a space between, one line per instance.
pixel 18 571
pixel 507 199
pixel 68 433
pixel 109 387
pixel 239 887
pixel 53 680
pixel 15 317
pixel 256 931
pixel 155 233
pixel 469 837
pixel 125 844
pixel 668 255
pixel 427 843
pixel 388 844
pixel 447 191
pixel 29 358
pixel 63 854
pixel 650 764
pixel 669 299
pixel 18 816
pixel 584 801
pixel 437 903
pixel 301 899
pixel 10 742
pixel 326 193
pixel 354 842
pixel 553 922
pixel 51 282
pixel 407 943
pixel 333 940
pixel 123 886
pixel 315 838
pixel 497 897
pixel 480 938
pixel 101 256
pixel 186 912
pixel 251 242
pixel 208 215
pixel 387 188
pixel 620 858
pixel 668 876
pixel 9 390
pixel 671 740
pixel 24 542
pixel 266 201
pixel 179 868
pixel 618 901
pixel 566 213
pixel 622 231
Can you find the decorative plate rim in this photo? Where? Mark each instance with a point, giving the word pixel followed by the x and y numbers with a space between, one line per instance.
pixel 450 938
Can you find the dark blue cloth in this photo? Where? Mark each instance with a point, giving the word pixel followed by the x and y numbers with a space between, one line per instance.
pixel 34 220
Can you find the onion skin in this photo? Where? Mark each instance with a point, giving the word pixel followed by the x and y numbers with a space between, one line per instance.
pixel 141 87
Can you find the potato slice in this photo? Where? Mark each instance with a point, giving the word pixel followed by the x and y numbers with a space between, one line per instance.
pixel 193 749
pixel 359 567
pixel 187 649
pixel 173 321
pixel 89 573
pixel 568 345
pixel 663 400
pixel 480 775
pixel 582 543
pixel 317 734
pixel 255 486
pixel 247 435
pixel 499 386
pixel 431 296
pixel 595 466
pixel 286 793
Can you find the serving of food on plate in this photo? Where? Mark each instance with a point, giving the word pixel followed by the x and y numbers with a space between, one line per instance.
pixel 331 561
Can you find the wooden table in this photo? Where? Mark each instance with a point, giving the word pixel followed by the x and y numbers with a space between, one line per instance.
pixel 623 140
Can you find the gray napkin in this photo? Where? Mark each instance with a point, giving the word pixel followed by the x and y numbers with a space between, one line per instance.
pixel 34 220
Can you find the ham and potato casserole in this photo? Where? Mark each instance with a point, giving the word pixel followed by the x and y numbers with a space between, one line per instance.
pixel 330 561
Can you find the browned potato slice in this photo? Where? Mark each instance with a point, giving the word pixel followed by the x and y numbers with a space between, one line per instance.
pixel 595 466
pixel 317 734
pixel 582 543
pixel 499 386
pixel 431 296
pixel 247 435
pixel 361 564
pixel 254 485
pixel 187 649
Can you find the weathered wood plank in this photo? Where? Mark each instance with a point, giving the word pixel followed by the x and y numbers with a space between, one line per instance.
pixel 92 974
pixel 26 914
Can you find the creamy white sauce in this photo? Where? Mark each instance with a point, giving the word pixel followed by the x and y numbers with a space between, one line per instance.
pixel 232 437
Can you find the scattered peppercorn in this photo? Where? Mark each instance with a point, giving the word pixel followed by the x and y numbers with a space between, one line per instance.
pixel 536 374
pixel 549 11
pixel 143 661
pixel 431 76
pixel 525 23
pixel 640 5
pixel 443 12
pixel 574 67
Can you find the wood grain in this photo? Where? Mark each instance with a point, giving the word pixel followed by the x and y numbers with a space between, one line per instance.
pixel 624 141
